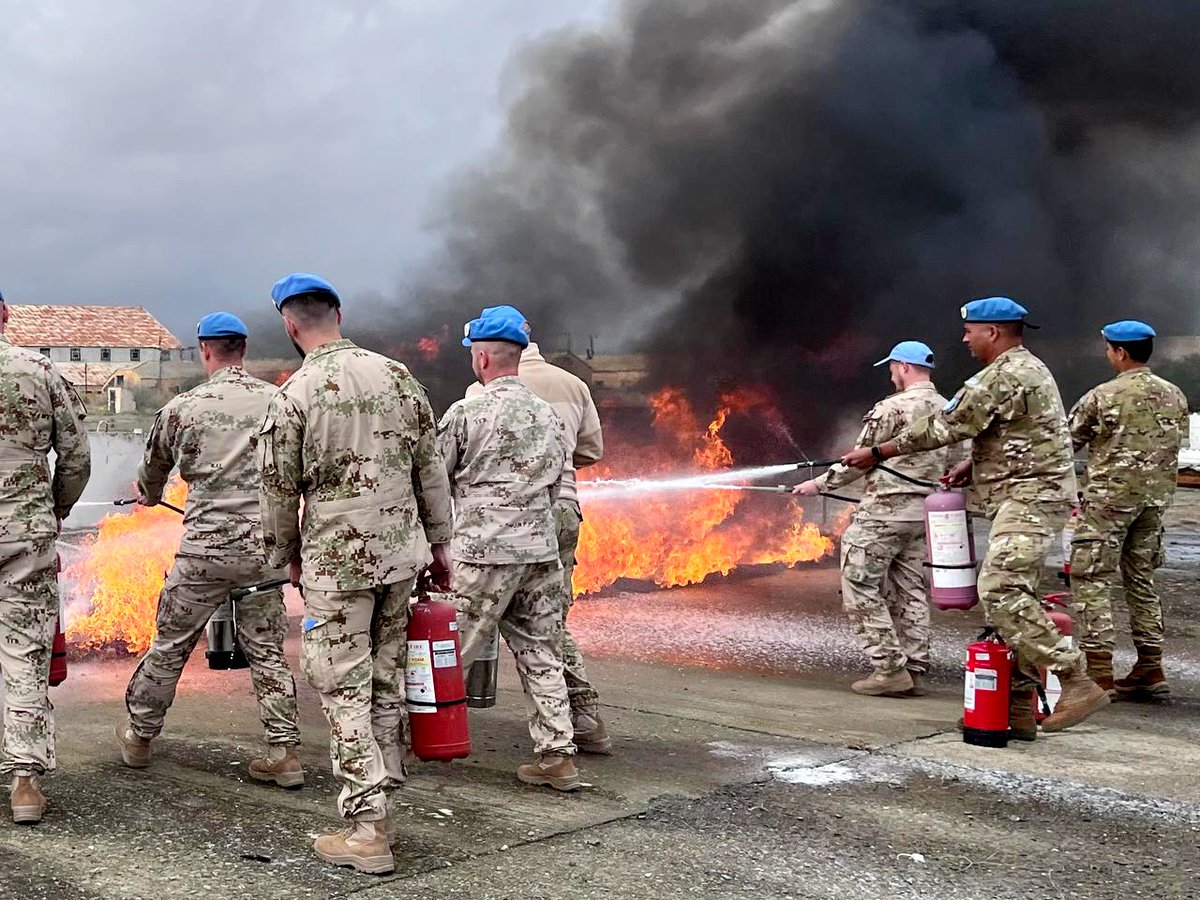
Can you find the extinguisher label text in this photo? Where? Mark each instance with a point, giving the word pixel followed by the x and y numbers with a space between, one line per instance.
pixel 418 677
pixel 445 654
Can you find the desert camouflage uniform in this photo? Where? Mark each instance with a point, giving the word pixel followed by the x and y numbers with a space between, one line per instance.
pixel 1023 479
pixel 38 413
pixel 352 433
pixel 504 452
pixel 883 550
pixel 1132 426
pixel 210 434
pixel 572 402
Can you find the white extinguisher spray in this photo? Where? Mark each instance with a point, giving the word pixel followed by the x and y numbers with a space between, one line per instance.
pixel 950 551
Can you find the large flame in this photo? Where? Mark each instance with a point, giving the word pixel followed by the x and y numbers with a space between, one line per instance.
pixel 682 537
pixel 120 572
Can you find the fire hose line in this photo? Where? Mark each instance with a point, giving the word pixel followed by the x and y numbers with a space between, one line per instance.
pixel 163 503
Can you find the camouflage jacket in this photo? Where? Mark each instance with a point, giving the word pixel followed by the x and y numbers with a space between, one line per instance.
pixel 1133 427
pixel 884 495
pixel 39 412
pixel 1013 415
pixel 211 434
pixel 572 401
pixel 352 433
pixel 504 452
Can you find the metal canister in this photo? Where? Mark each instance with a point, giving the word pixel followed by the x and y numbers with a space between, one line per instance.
pixel 481 677
pixel 221 634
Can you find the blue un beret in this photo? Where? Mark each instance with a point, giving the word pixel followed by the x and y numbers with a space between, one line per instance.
pixel 1127 330
pixel 301 283
pixel 220 325
pixel 995 309
pixel 498 323
pixel 912 352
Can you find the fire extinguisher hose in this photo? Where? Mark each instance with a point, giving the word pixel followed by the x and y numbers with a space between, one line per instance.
pixel 130 501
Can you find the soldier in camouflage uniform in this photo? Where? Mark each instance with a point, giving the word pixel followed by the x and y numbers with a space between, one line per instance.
pixel 210 434
pixel 883 550
pixel 504 452
pixel 39 412
pixel 1132 426
pixel 351 434
pixel 573 404
pixel 1023 479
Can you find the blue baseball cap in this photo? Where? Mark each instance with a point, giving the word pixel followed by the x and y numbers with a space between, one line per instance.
pixel 1127 330
pixel 220 325
pixel 498 323
pixel 996 309
pixel 912 352
pixel 301 283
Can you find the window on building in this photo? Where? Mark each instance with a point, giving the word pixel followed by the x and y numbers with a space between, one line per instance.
pixel 166 355
pixel 105 354
pixel 135 355
pixel 76 354
pixel 120 381
pixel 45 351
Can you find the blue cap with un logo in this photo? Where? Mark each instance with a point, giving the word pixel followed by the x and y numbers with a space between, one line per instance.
pixel 498 323
pixel 301 283
pixel 220 325
pixel 1127 330
pixel 995 309
pixel 914 353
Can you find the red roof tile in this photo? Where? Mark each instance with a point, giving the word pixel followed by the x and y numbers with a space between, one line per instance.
pixel 86 326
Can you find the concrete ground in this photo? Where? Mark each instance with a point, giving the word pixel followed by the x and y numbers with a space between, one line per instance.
pixel 743 767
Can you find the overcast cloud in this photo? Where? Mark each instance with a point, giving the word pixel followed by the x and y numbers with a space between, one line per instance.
pixel 183 155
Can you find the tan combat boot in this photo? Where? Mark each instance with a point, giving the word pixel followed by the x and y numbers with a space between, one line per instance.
pixel 135 751
pixel 280 765
pixel 28 802
pixel 878 684
pixel 554 770
pixel 1022 726
pixel 1146 680
pixel 1080 698
pixel 1099 669
pixel 590 734
pixel 916 690
pixel 361 845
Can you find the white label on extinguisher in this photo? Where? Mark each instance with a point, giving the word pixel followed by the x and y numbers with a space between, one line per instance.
pixel 950 545
pixel 969 692
pixel 445 654
pixel 418 677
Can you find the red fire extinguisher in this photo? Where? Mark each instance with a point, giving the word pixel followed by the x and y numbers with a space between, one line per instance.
pixel 58 650
pixel 433 683
pixel 985 697
pixel 1057 606
pixel 950 551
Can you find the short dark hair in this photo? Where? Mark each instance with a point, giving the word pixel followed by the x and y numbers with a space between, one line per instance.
pixel 1139 351
pixel 226 347
pixel 313 308
pixel 1012 329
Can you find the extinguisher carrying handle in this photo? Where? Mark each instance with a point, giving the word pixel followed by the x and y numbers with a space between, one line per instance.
pixel 989 632
pixel 1041 692
pixel 240 593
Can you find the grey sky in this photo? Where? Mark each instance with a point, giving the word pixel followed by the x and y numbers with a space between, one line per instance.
pixel 183 155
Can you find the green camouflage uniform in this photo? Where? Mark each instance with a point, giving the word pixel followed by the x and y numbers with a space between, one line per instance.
pixel 883 550
pixel 1132 426
pixel 504 452
pixel 210 433
pixel 352 434
pixel 1023 479
pixel 38 413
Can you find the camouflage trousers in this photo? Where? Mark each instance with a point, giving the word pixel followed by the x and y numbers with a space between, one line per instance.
pixel 1009 579
pixel 353 651
pixel 883 592
pixel 196 587
pixel 1115 548
pixel 28 614
pixel 583 696
pixel 526 601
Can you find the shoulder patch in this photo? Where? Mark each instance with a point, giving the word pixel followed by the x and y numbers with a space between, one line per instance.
pixel 952 403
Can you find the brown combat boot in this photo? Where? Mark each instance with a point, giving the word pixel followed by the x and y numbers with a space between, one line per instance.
pixel 280 765
pixel 554 770
pixel 28 802
pixel 590 734
pixel 1080 698
pixel 1146 680
pixel 361 845
pixel 135 751
pixel 1022 726
pixel 1099 669
pixel 878 684
pixel 916 690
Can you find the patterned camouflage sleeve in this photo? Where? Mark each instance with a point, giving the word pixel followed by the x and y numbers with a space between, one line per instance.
pixel 878 426
pixel 159 458
pixel 281 465
pixel 452 438
pixel 430 484
pixel 1085 420
pixel 967 414
pixel 73 464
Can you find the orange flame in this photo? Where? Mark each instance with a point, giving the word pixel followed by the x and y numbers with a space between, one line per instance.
pixel 121 571
pixel 681 538
pixel 430 345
